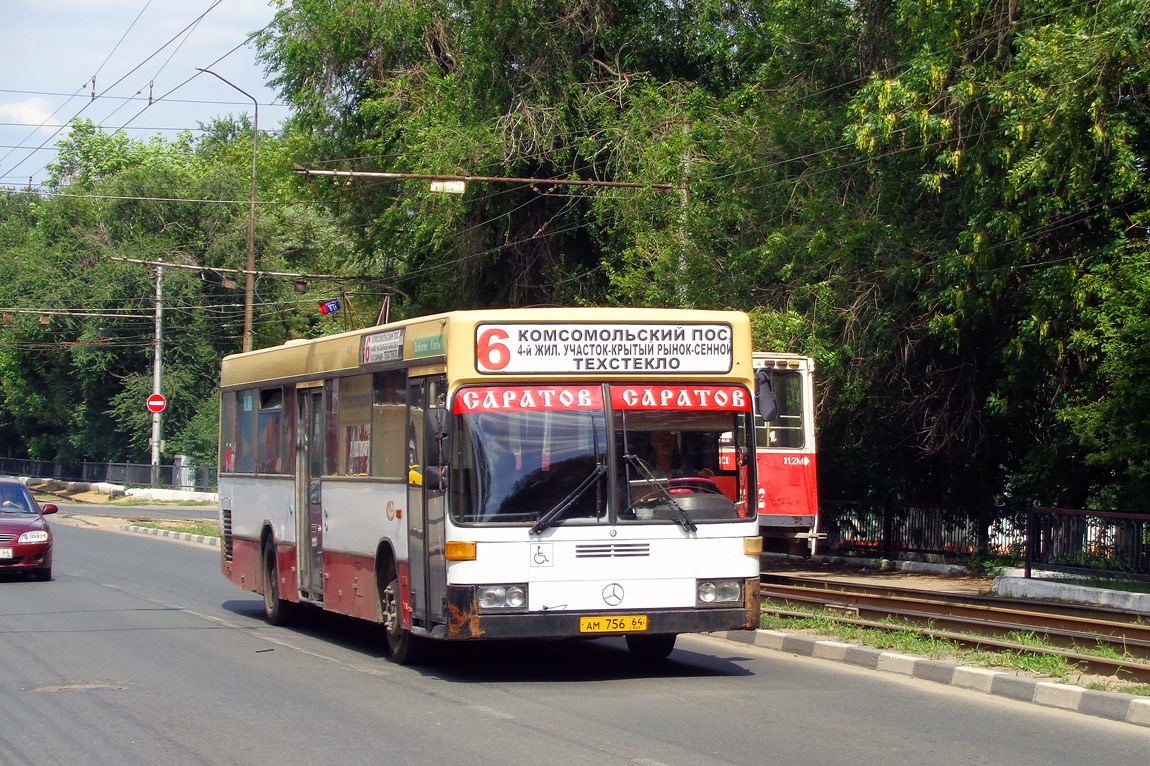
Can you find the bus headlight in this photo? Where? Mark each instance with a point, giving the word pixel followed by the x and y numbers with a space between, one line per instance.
pixel 501 598
pixel 719 592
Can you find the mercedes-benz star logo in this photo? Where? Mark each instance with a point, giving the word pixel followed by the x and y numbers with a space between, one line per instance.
pixel 613 594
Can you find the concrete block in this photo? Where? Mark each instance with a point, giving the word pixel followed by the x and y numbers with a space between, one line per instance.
pixel 770 639
pixel 932 670
pixel 1139 712
pixel 902 664
pixel 977 679
pixel 830 650
pixel 863 656
pixel 1105 704
pixel 1063 696
pixel 1014 687
pixel 801 645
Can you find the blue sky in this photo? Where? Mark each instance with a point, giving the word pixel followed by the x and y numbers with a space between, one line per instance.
pixel 133 49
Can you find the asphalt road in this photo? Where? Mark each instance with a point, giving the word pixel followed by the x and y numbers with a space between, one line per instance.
pixel 140 652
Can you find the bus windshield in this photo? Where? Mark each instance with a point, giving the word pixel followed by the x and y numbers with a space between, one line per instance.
pixel 649 464
pixel 517 466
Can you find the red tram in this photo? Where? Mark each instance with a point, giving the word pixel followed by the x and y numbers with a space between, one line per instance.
pixel 788 502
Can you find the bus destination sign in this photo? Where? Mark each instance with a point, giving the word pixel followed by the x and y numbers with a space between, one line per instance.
pixel 384 346
pixel 603 347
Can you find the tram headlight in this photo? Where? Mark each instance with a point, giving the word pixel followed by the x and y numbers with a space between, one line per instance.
pixel 710 592
pixel 501 598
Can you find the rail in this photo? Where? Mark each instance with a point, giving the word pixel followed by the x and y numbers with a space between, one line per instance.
pixel 982 622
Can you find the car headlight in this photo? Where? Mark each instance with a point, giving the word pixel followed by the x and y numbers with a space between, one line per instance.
pixel 40 536
pixel 501 597
pixel 719 592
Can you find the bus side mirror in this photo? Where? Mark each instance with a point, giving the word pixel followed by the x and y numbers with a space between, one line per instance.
pixel 765 396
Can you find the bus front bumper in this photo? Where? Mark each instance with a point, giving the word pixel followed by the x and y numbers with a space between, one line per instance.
pixel 466 623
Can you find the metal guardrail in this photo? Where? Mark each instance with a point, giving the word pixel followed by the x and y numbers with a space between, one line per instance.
pixel 177 476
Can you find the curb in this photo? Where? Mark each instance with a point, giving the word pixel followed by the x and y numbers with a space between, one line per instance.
pixel 203 539
pixel 1117 707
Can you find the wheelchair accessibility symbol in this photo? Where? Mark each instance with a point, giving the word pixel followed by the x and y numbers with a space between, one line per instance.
pixel 541 555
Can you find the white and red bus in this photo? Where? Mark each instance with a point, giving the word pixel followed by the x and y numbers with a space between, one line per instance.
pixel 788 501
pixel 492 474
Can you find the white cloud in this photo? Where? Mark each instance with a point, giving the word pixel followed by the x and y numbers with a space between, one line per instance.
pixel 30 113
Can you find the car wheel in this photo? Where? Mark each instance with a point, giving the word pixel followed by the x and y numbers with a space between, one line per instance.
pixel 651 647
pixel 404 648
pixel 42 575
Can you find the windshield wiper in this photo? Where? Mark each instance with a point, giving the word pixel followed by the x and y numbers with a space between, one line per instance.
pixel 563 505
pixel 646 474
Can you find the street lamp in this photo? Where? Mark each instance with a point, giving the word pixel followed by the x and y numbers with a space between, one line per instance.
pixel 249 281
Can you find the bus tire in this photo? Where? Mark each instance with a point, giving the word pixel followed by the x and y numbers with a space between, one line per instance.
pixel 651 647
pixel 276 610
pixel 404 648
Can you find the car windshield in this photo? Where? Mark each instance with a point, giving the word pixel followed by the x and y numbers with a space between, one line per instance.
pixel 547 456
pixel 15 500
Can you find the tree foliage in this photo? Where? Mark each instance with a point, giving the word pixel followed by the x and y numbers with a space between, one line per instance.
pixel 943 203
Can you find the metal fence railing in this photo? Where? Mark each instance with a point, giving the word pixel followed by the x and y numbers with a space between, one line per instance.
pixel 1056 539
pixel 178 475
pixel 890 529
pixel 1070 540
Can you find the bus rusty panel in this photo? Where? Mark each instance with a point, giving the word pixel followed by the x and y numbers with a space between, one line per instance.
pixel 463 620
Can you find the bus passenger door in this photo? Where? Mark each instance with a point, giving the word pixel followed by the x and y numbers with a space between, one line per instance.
pixel 426 504
pixel 309 515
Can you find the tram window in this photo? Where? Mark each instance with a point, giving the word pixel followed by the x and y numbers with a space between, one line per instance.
pixel 786 430
pixel 270 448
pixel 389 406
pixel 355 407
pixel 245 424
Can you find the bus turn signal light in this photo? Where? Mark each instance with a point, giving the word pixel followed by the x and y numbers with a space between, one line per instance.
pixel 752 546
pixel 463 551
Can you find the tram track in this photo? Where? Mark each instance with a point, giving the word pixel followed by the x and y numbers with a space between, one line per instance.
pixel 984 622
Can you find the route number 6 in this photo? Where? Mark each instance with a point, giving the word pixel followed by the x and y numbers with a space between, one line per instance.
pixel 492 352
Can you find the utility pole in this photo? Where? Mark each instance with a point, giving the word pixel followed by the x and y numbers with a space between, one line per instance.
pixel 157 373
pixel 249 280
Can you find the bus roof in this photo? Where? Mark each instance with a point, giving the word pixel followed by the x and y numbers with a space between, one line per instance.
pixel 426 340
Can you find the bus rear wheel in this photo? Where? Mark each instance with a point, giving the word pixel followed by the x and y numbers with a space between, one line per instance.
pixel 651 647
pixel 404 648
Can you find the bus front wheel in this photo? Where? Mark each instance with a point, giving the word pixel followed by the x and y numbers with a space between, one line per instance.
pixel 651 647
pixel 276 610
pixel 403 647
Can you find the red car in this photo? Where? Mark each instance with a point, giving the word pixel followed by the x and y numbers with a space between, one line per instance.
pixel 25 539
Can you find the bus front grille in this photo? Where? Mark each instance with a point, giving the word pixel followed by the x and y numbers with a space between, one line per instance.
pixel 609 550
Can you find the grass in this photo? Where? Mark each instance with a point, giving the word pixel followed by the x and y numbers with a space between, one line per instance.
pixel 206 528
pixel 910 641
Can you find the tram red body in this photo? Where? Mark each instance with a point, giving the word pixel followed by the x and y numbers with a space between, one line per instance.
pixel 787 498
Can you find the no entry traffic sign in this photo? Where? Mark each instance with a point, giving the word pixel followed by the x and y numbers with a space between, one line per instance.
pixel 156 403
